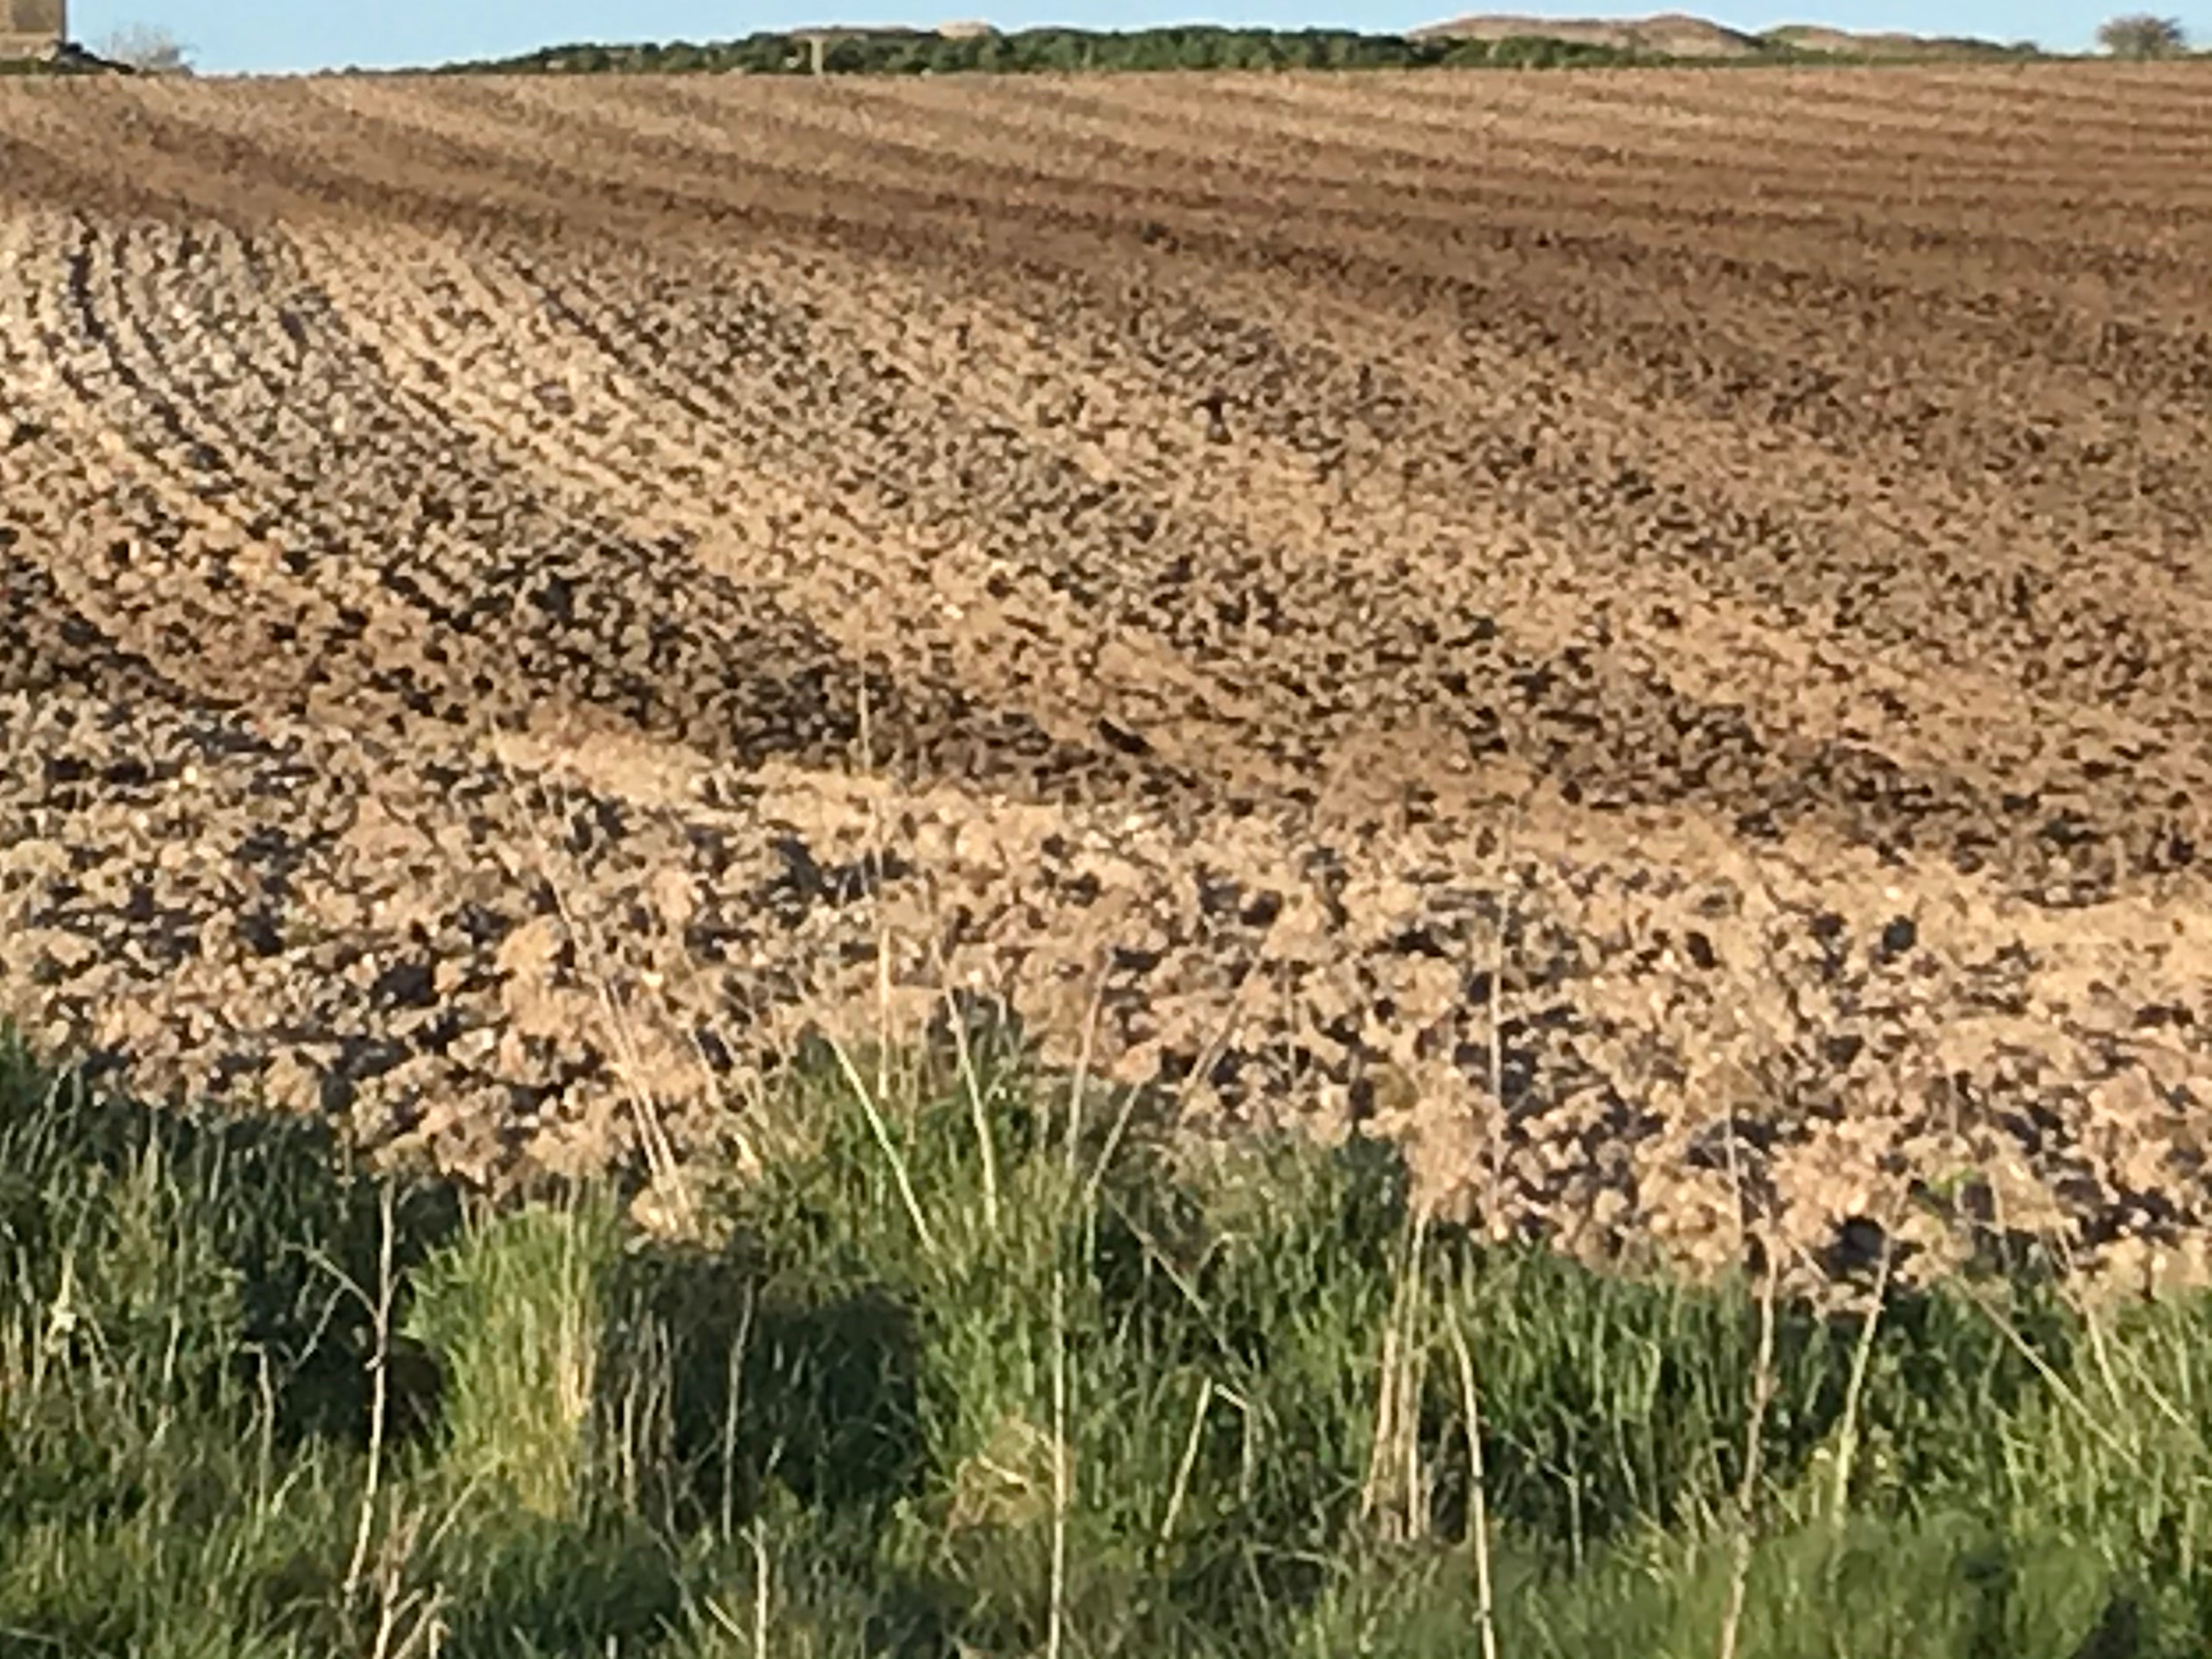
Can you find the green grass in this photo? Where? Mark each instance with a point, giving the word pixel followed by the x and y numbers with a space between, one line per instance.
pixel 971 1371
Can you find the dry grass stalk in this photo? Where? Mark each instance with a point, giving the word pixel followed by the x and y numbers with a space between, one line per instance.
pixel 380 1311
pixel 1847 1437
pixel 1393 1492
pixel 1057 1621
pixel 1762 1396
pixel 1478 1494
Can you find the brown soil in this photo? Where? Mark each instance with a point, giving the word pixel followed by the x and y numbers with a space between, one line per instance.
pixel 1648 633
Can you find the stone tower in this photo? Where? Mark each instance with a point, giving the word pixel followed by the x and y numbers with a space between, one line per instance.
pixel 32 29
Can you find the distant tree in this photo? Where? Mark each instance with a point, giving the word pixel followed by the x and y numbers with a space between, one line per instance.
pixel 2141 35
pixel 147 48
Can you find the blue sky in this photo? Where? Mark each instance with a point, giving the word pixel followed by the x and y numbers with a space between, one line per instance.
pixel 253 36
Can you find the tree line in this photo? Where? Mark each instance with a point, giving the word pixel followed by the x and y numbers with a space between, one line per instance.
pixel 1061 50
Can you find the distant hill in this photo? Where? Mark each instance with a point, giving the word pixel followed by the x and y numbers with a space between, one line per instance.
pixel 1815 37
pixel 1672 35
pixel 1679 36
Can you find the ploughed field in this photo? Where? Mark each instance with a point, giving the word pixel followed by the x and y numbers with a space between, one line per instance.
pixel 1650 632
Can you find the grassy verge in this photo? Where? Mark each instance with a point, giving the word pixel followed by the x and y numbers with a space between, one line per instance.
pixel 975 1368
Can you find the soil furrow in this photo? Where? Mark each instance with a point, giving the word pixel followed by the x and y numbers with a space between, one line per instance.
pixel 1557 617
